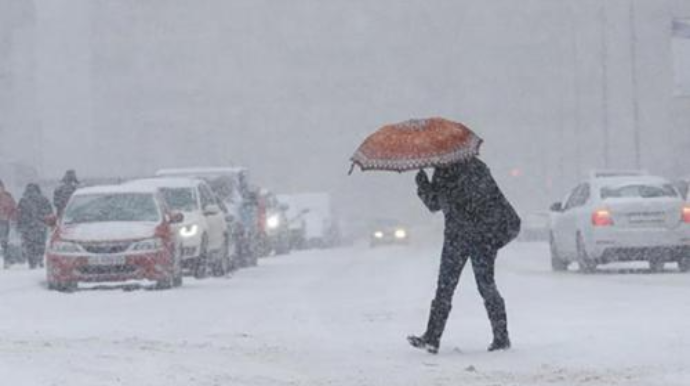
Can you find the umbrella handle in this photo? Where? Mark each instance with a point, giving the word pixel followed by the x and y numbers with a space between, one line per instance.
pixel 352 169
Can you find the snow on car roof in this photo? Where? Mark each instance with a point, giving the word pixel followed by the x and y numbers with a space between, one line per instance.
pixel 622 181
pixel 596 174
pixel 116 189
pixel 201 171
pixel 172 182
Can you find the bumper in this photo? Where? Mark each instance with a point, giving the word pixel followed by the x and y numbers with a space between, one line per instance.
pixel 640 244
pixel 152 266
pixel 389 241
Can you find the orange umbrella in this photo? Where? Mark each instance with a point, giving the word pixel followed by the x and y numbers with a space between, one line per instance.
pixel 416 144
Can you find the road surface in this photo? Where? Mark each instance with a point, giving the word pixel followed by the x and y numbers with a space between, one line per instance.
pixel 340 317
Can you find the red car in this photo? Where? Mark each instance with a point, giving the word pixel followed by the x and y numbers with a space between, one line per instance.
pixel 114 233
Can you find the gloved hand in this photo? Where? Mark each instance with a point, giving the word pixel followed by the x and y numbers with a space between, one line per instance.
pixel 422 179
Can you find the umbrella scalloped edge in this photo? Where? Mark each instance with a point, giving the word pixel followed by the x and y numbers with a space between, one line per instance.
pixel 402 165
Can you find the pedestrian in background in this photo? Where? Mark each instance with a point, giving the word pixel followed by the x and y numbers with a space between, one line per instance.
pixel 34 208
pixel 64 192
pixel 8 214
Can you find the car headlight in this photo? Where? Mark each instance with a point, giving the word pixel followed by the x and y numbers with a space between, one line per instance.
pixel 65 247
pixel 400 234
pixel 189 231
pixel 147 245
pixel 273 222
pixel 378 234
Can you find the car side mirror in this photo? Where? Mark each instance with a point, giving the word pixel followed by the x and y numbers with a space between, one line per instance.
pixel 176 218
pixel 557 207
pixel 51 220
pixel 211 210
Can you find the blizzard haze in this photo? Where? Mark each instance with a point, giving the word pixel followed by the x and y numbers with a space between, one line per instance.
pixel 242 289
pixel 290 89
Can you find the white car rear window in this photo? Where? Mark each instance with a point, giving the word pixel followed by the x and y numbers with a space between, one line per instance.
pixel 639 191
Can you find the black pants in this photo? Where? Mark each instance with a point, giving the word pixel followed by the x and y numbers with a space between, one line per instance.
pixel 4 239
pixel 456 252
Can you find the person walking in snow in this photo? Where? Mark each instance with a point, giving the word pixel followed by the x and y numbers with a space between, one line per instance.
pixel 34 207
pixel 8 214
pixel 479 221
pixel 64 192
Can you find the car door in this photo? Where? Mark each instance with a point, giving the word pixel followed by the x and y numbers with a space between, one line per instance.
pixel 215 218
pixel 558 219
pixel 573 217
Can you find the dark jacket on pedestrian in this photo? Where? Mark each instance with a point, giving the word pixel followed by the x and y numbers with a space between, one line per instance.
pixel 33 210
pixel 64 192
pixel 8 207
pixel 475 209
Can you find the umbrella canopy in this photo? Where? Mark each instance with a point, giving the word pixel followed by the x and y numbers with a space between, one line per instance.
pixel 417 144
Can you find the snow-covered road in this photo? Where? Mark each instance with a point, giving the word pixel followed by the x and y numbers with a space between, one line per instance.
pixel 340 318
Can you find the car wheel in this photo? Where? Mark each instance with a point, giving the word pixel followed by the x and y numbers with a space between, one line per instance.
pixel 222 265
pixel 684 264
pixel 283 247
pixel 557 263
pixel 201 266
pixel 177 269
pixel 656 265
pixel 586 265
pixel 167 283
pixel 69 286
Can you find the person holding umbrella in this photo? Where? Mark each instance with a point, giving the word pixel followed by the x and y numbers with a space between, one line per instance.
pixel 479 220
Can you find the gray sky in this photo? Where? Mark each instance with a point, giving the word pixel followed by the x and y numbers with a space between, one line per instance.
pixel 291 88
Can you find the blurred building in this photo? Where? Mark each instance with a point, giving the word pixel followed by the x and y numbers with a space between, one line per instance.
pixel 19 125
pixel 290 89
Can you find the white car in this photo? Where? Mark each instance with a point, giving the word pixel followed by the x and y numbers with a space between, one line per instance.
pixel 614 218
pixel 204 235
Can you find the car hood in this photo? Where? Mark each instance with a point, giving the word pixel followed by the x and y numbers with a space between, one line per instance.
pixel 109 231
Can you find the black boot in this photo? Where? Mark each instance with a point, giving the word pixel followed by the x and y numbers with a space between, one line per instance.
pixel 500 344
pixel 431 340
pixel 501 338
pixel 421 343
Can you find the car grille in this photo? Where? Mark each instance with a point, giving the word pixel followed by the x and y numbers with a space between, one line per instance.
pixel 106 270
pixel 106 248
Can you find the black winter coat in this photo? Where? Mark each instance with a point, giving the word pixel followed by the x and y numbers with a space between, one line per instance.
pixel 33 209
pixel 475 209
pixel 62 195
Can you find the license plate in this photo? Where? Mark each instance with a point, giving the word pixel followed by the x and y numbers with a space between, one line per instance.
pixel 107 260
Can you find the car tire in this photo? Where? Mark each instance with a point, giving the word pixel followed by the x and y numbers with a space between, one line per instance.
pixel 221 266
pixel 177 269
pixel 656 265
pixel 66 287
pixel 557 263
pixel 585 264
pixel 283 247
pixel 684 264
pixel 202 263
pixel 167 283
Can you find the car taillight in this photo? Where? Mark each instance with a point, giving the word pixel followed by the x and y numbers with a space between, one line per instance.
pixel 602 218
pixel 686 214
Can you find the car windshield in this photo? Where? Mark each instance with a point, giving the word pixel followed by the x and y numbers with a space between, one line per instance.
pixel 639 191
pixel 126 207
pixel 181 199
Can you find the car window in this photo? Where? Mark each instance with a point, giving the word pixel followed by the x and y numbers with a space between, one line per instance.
pixel 639 191
pixel 579 197
pixel 207 197
pixel 182 199
pixel 97 208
